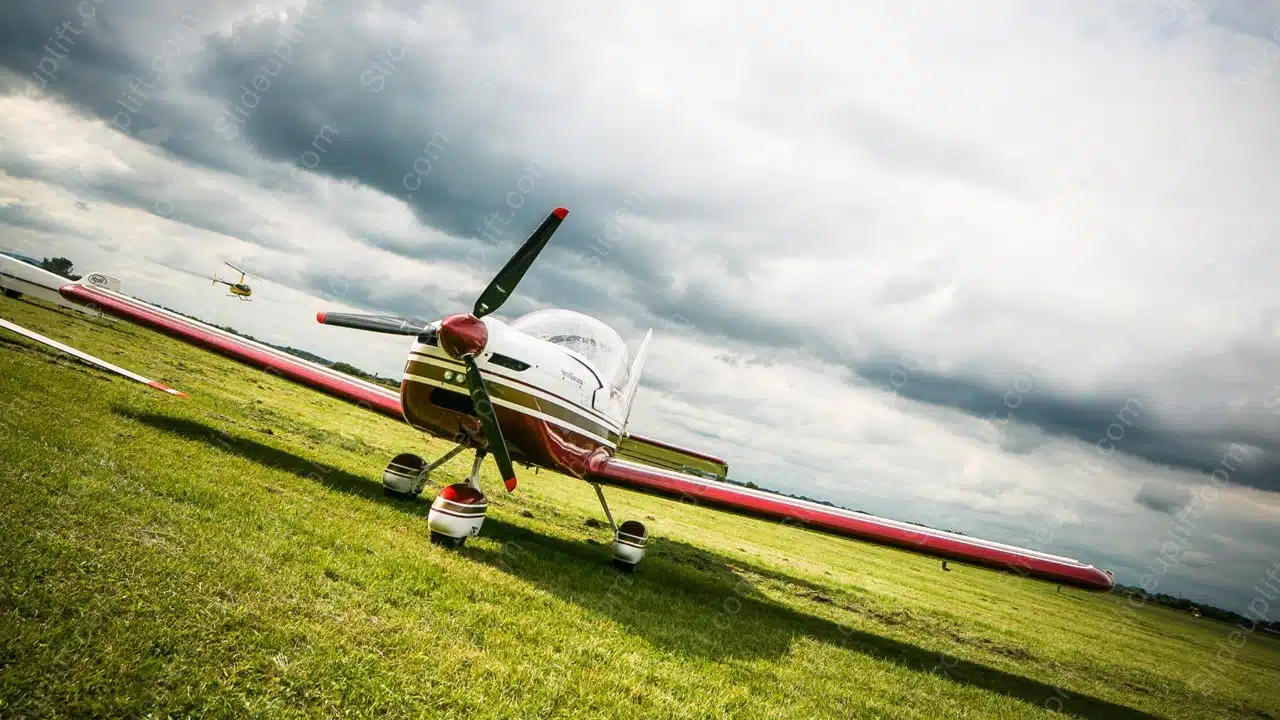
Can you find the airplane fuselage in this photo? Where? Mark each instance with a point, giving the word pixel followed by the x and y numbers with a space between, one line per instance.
pixel 554 407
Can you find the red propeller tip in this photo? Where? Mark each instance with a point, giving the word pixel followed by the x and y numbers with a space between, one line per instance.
pixel 320 317
pixel 511 484
pixel 560 212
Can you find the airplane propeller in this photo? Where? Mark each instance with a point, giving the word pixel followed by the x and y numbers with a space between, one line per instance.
pixel 489 421
pixel 388 324
pixel 464 336
pixel 505 281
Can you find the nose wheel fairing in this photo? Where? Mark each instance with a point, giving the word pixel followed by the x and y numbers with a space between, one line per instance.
pixel 457 513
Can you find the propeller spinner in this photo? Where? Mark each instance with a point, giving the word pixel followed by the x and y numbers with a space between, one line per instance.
pixel 464 336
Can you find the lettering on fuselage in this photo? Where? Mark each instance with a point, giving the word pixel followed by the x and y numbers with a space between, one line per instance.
pixel 572 378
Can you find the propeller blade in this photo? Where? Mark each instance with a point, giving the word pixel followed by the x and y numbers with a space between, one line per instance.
pixel 388 324
pixel 505 281
pixel 484 408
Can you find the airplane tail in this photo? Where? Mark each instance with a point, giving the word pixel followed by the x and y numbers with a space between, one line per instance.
pixel 633 379
pixel 102 280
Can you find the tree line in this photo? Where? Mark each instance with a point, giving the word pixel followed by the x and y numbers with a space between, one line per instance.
pixel 1206 611
pixel 60 266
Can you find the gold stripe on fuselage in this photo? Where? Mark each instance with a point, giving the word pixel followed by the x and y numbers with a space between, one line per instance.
pixel 492 377
pixel 515 398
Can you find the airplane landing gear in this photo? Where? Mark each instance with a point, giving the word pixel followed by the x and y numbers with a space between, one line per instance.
pixel 629 538
pixel 458 511
pixel 407 474
pixel 628 545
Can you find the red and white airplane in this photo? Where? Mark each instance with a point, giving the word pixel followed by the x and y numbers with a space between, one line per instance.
pixel 553 389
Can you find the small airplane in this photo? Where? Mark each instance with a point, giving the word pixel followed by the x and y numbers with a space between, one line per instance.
pixel 237 289
pixel 553 389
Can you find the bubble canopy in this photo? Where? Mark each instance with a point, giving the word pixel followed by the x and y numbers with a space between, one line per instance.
pixel 596 342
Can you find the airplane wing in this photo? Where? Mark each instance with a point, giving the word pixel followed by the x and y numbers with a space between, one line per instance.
pixel 86 357
pixel 367 395
pixel 631 475
pixel 665 455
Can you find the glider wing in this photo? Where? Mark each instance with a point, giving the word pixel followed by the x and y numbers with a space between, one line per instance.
pixel 87 358
pixel 367 395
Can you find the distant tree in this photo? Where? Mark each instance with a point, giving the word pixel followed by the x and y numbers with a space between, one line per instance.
pixel 388 382
pixel 350 369
pixel 59 266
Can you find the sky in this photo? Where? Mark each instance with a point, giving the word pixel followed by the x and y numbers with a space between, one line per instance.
pixel 1007 268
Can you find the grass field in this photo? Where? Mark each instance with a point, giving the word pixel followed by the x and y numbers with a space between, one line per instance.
pixel 232 555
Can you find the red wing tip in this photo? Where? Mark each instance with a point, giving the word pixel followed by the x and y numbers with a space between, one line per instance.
pixel 165 388
pixel 320 317
pixel 560 212
pixel 511 484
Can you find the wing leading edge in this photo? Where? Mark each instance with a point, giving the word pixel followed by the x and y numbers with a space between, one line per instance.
pixel 276 362
pixel 650 480
pixel 87 358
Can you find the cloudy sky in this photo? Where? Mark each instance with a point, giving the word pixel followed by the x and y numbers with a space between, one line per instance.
pixel 1007 268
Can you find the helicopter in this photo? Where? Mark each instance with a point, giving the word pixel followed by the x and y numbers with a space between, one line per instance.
pixel 237 289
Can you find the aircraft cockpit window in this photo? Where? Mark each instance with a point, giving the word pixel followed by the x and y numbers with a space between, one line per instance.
pixel 594 341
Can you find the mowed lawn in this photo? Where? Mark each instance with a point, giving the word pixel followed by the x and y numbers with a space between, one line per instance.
pixel 232 555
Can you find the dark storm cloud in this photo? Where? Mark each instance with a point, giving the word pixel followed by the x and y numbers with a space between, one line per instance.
pixel 78 45
pixel 374 138
pixel 28 218
pixel 208 209
pixel 216 211
pixel 426 301
pixel 468 190
pixel 1163 497
pixel 1112 423
pixel 377 139
pixel 88 53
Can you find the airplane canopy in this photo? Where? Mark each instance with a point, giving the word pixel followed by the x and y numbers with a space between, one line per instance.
pixel 596 342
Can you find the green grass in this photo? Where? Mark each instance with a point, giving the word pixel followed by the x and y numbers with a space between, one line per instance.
pixel 232 555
